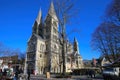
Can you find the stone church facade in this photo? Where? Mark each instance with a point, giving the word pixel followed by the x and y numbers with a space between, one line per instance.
pixel 44 49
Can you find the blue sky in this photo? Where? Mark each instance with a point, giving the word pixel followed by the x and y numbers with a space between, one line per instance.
pixel 18 16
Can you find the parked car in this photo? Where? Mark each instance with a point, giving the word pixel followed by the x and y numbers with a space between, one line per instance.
pixel 111 73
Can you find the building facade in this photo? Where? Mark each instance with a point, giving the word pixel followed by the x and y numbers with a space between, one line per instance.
pixel 44 50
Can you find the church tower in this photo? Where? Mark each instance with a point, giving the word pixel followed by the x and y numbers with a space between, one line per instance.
pixel 44 48
pixel 78 62
pixel 38 25
pixel 76 49
pixel 51 33
pixel 33 45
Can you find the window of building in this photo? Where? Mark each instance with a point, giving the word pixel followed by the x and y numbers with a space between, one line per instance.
pixel 55 38
pixel 46 47
pixel 40 55
pixel 55 24
pixel 47 30
pixel 47 36
pixel 42 48
pixel 79 62
pixel 54 30
pixel 55 47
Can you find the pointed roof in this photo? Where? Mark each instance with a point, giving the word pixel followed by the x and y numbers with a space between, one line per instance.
pixel 75 40
pixel 38 19
pixel 51 9
pixel 76 45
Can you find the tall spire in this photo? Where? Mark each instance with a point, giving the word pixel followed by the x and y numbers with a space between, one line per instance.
pixel 75 40
pixel 51 9
pixel 38 19
pixel 76 45
pixel 37 22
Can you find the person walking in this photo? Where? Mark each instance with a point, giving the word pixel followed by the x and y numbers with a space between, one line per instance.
pixel 90 73
pixel 4 74
pixel 16 75
pixel 28 74
pixel 87 73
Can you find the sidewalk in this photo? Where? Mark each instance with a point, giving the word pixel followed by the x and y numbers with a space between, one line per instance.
pixel 74 77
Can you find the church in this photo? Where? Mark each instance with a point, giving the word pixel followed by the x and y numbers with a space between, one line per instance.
pixel 44 49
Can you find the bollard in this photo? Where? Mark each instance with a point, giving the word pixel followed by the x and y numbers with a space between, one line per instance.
pixel 48 75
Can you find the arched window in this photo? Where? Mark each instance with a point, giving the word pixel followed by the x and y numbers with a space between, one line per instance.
pixel 55 24
pixel 40 47
pixel 43 48
pixel 54 46
pixel 46 47
pixel 40 55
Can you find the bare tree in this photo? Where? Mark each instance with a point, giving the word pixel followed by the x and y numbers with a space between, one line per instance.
pixel 106 39
pixel 65 10
pixel 22 57
pixel 113 12
pixel 1 48
pixel 4 50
